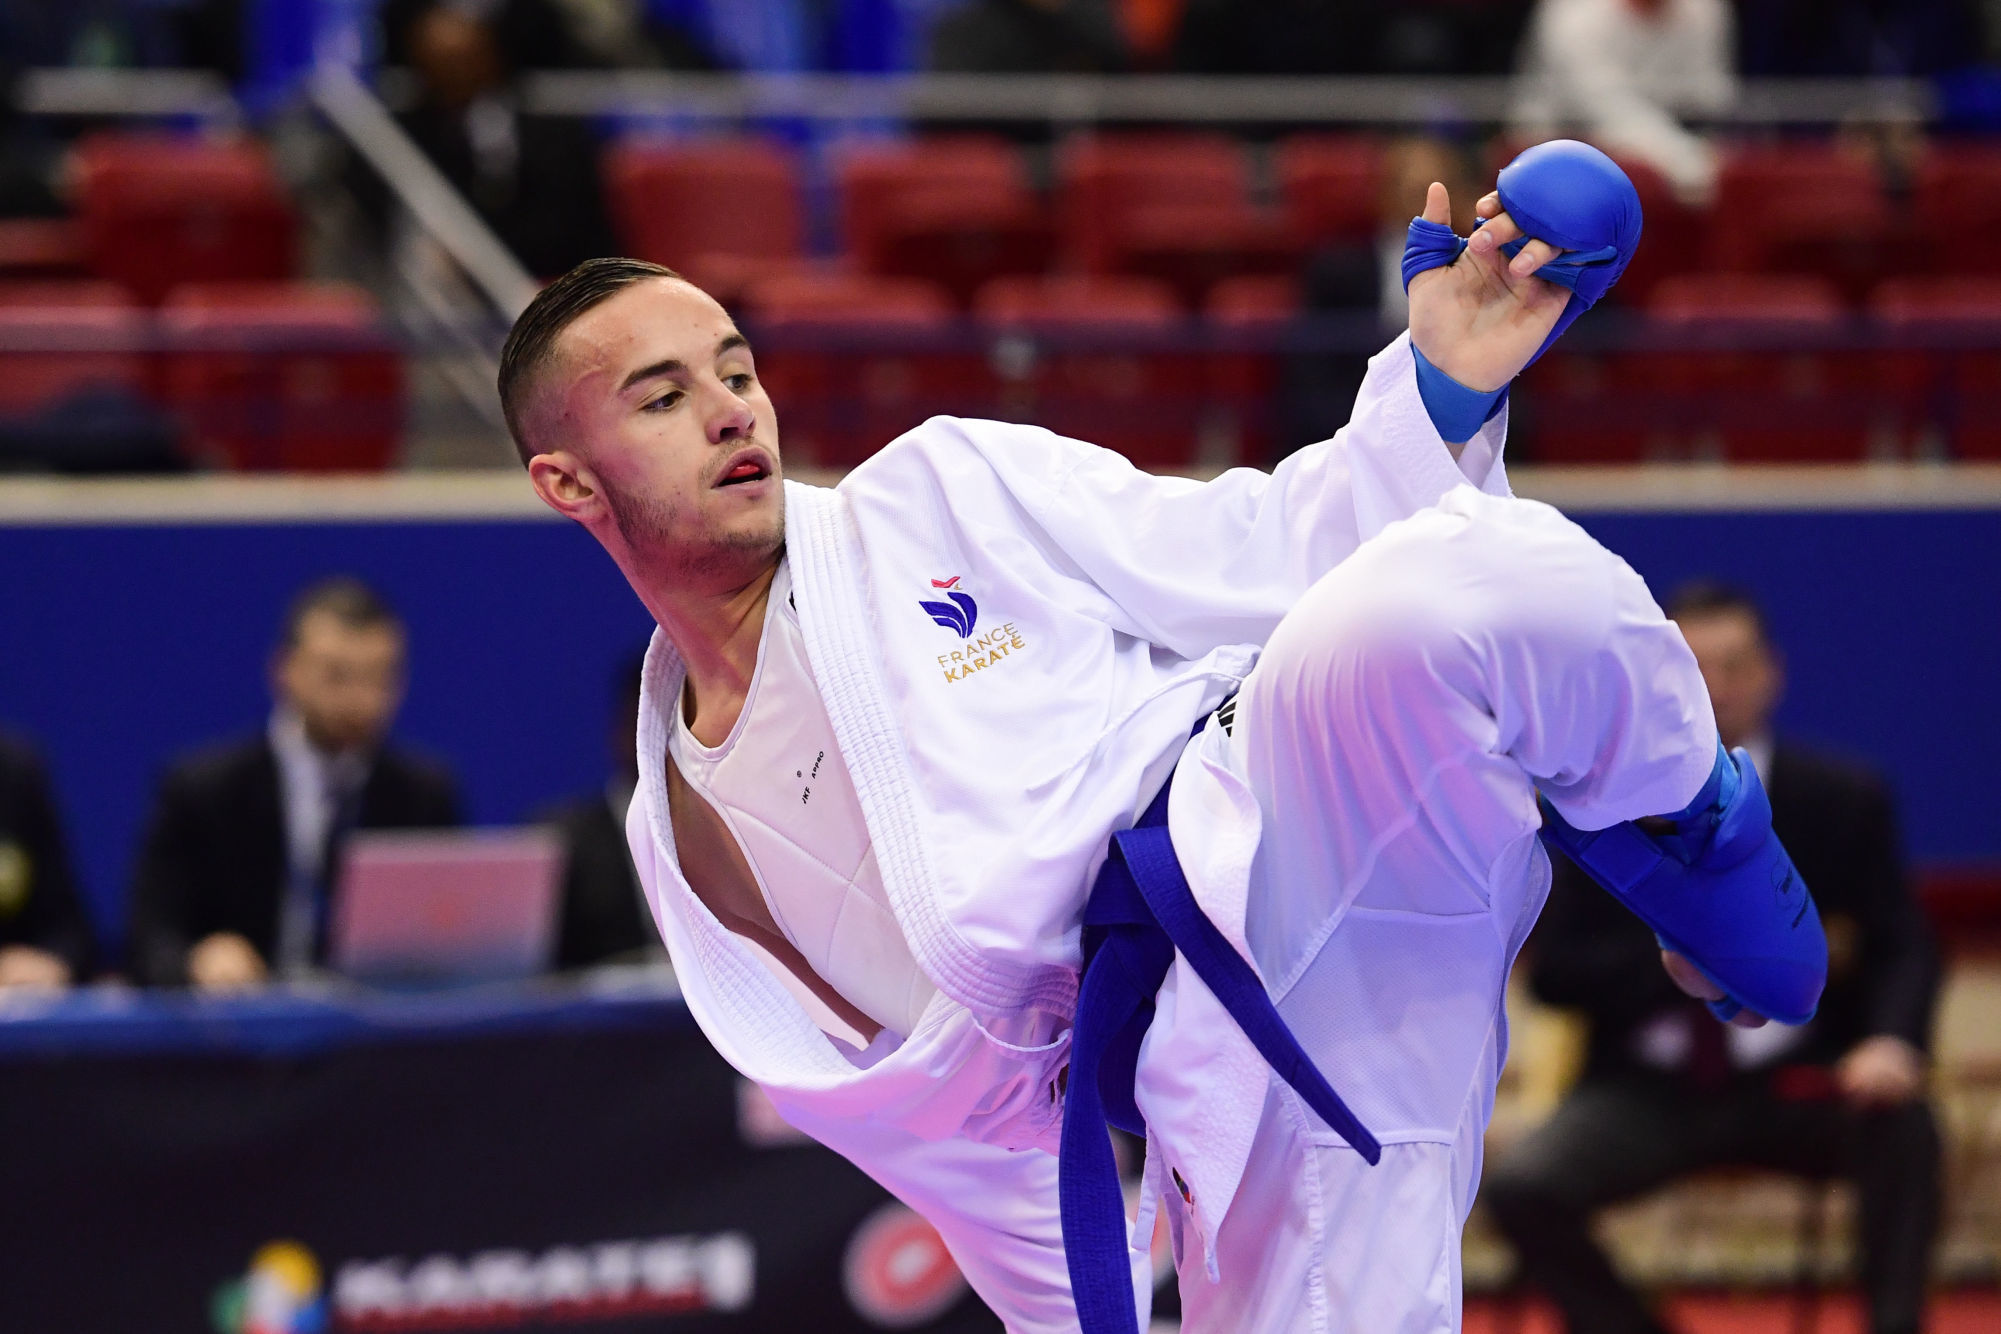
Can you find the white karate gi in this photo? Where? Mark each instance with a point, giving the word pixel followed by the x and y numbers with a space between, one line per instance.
pixel 1366 837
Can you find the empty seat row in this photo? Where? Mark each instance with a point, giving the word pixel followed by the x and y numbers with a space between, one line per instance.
pixel 961 209
pixel 1747 367
pixel 294 376
pixel 158 211
pixel 1774 368
pixel 1182 207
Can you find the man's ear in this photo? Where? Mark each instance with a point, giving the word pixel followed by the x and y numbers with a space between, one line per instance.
pixel 564 483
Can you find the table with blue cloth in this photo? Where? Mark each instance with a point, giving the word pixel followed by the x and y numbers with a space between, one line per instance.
pixel 562 1155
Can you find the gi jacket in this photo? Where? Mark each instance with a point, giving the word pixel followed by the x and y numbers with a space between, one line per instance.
pixel 1014 634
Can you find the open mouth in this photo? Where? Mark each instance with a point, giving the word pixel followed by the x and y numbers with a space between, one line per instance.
pixel 749 467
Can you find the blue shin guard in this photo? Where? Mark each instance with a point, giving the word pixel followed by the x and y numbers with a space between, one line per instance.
pixel 1719 890
pixel 1568 194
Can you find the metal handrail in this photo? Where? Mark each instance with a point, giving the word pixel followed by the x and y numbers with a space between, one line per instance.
pixel 1077 99
pixel 439 208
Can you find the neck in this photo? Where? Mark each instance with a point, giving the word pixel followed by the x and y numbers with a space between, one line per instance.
pixel 716 632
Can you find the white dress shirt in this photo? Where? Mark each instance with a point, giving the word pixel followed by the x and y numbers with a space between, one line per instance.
pixel 312 784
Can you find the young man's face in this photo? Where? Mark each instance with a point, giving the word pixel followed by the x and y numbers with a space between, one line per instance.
pixel 652 402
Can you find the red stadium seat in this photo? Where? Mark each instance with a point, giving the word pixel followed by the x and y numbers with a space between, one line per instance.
pixel 1672 240
pixel 1331 184
pixel 722 211
pixel 1249 316
pixel 1104 359
pixel 954 209
pixel 293 376
pixel 1806 208
pixel 1957 202
pixel 159 211
pixel 851 362
pixel 1764 392
pixel 1175 207
pixel 58 340
pixel 32 248
pixel 1950 381
pixel 1588 406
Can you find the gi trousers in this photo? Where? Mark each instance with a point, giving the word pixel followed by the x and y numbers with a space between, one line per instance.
pixel 1395 733
pixel 1614 1139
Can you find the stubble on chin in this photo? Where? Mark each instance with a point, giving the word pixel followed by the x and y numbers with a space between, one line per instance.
pixel 655 530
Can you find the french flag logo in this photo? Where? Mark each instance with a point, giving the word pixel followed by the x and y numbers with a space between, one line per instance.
pixel 960 614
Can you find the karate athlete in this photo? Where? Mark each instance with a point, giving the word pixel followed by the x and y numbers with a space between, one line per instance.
pixel 889 730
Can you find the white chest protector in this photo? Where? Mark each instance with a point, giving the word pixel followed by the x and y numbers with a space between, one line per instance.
pixel 779 783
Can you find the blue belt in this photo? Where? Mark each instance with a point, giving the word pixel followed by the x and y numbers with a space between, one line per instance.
pixel 1139 913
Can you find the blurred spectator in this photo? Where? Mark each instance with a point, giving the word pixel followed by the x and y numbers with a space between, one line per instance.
pixel 557 34
pixel 244 846
pixel 605 917
pixel 1353 277
pixel 533 178
pixel 1667 1090
pixel 1345 283
pixel 627 34
pixel 1620 72
pixel 44 938
pixel 1028 37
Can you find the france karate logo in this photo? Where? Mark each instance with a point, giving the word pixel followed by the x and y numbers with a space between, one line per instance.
pixel 961 614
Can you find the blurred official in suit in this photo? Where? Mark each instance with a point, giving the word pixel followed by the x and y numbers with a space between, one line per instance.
pixel 234 881
pixel 1666 1090
pixel 44 936
pixel 604 913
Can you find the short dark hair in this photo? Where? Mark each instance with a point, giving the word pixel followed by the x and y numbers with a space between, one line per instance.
pixel 1714 597
pixel 347 599
pixel 554 309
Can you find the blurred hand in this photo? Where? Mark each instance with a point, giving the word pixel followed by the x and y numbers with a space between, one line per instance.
pixel 25 966
pixel 1690 979
pixel 1882 1071
pixel 1480 318
pixel 225 961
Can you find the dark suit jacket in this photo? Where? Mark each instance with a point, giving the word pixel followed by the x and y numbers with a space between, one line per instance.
pixel 215 855
pixel 603 915
pixel 1838 823
pixel 38 898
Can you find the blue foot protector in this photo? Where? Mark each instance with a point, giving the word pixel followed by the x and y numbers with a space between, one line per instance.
pixel 1568 194
pixel 1719 890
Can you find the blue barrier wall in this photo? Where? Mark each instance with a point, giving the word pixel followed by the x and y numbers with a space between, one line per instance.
pixel 125 644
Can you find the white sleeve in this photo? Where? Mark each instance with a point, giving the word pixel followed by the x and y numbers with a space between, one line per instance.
pixel 1194 565
pixel 996 1211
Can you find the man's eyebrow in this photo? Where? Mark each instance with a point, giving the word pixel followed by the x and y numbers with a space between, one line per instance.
pixel 670 366
pixel 674 366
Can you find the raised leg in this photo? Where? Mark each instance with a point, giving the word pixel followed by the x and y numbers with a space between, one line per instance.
pixel 1395 735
